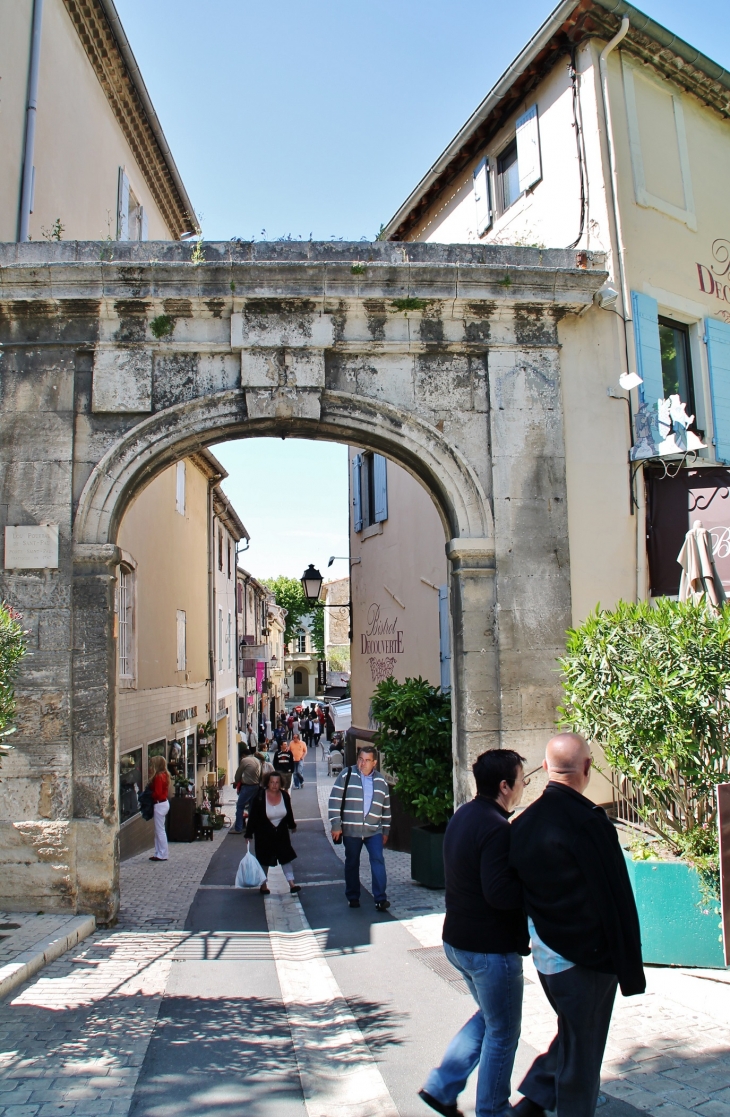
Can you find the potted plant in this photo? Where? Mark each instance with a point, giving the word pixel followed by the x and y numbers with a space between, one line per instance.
pixel 650 685
pixel 414 737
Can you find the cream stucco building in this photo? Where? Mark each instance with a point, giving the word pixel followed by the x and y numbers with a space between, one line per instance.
pixel 227 531
pixel 606 134
pixel 84 156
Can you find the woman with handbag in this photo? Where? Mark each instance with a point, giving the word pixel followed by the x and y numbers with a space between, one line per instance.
pixel 270 818
pixel 160 787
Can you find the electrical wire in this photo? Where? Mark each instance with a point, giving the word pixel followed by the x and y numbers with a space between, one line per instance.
pixel 578 126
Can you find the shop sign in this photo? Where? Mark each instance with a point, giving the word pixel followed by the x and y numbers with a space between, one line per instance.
pixel 381 642
pixel 183 715
pixel 714 278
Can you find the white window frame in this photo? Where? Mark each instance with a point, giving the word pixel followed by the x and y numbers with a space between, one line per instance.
pixel 181 639
pixel 686 215
pixel 180 488
pixel 126 629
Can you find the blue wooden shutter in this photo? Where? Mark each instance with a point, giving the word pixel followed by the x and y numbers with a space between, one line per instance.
pixel 717 336
pixel 529 166
pixel 357 490
pixel 444 638
pixel 482 197
pixel 123 206
pixel 648 352
pixel 380 487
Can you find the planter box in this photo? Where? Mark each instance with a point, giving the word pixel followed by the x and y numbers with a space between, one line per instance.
pixel 675 931
pixel 427 856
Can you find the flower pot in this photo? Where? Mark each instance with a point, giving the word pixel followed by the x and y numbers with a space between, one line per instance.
pixel 678 928
pixel 427 856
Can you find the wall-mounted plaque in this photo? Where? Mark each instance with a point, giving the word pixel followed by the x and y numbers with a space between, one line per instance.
pixel 31 548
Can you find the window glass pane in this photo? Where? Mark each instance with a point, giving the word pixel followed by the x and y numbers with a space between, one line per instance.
pixel 159 748
pixel 176 763
pixel 676 376
pixel 509 175
pixel 130 783
pixel 191 757
pixel 125 624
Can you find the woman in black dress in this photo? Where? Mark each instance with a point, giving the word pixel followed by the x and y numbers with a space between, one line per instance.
pixel 270 819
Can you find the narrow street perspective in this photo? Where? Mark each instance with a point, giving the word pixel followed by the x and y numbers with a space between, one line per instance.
pixel 364 558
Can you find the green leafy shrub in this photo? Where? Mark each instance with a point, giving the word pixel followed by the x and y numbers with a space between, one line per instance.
pixel 414 736
pixel 650 685
pixel 12 650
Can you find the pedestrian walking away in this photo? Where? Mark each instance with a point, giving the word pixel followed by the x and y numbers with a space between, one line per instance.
pixel 583 925
pixel 160 788
pixel 485 937
pixel 298 750
pixel 270 821
pixel 359 815
pixel 247 781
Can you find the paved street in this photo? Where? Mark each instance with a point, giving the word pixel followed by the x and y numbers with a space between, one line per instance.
pixel 206 1000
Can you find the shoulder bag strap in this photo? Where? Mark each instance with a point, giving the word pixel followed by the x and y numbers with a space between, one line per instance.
pixel 344 794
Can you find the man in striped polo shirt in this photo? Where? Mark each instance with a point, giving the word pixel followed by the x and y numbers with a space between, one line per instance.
pixel 359 810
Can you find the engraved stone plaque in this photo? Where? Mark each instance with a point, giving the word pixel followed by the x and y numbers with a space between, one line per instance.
pixel 31 548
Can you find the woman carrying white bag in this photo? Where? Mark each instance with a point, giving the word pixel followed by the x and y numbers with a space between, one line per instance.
pixel 270 819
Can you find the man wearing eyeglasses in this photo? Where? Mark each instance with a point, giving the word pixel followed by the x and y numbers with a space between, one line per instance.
pixel 584 928
pixel 485 937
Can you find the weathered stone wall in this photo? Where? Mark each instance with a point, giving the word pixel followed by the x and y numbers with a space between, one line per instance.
pixel 117 360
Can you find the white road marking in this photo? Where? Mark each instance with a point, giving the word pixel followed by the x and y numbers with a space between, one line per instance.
pixel 338 1073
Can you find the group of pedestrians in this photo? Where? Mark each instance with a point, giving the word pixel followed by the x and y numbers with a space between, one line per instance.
pixel 554 881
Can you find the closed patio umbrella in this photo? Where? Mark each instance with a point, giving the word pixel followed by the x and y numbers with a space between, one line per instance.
pixel 700 580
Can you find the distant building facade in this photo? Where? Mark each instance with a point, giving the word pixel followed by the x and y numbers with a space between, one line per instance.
pixel 227 531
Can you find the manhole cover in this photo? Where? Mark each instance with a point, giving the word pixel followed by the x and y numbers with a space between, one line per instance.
pixel 436 960
pixel 9 926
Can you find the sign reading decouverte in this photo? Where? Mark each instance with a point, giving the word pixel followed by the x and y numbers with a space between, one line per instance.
pixel 713 280
pixel 31 548
pixel 382 641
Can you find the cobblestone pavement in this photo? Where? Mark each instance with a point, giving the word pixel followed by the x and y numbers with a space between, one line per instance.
pixel 20 931
pixel 73 1040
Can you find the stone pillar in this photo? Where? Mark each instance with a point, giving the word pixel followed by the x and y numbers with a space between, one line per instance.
pixel 474 657
pixel 93 726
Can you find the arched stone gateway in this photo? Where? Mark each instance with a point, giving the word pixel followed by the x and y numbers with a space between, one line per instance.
pixel 119 359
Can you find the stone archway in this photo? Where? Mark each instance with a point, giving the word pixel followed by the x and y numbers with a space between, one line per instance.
pixel 444 359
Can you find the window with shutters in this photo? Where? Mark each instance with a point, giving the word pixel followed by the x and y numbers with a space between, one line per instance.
pixel 131 217
pixel 370 490
pixel 508 177
pixel 182 656
pixel 519 164
pixel 229 559
pixel 220 639
pixel 301 642
pixel 126 624
pixel 180 488
pixel 229 641
pixel 220 548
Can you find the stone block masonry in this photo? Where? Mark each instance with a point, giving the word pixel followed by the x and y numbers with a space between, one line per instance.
pixel 444 358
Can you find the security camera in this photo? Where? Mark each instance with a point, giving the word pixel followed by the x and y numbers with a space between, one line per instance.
pixel 605 298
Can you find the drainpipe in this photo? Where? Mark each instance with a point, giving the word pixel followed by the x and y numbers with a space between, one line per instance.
pixel 625 301
pixel 34 65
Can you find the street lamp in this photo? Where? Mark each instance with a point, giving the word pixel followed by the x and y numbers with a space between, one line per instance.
pixel 312 583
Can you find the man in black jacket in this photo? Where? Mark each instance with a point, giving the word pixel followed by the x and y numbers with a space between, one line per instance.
pixel 583 925
pixel 485 936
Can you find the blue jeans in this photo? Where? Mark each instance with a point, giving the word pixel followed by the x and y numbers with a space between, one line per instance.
pixel 353 849
pixel 489 1040
pixel 298 777
pixel 245 795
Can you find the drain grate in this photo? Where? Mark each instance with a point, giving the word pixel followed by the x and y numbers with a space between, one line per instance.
pixel 436 960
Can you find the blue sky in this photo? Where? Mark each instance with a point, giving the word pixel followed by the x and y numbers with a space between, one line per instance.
pixel 318 117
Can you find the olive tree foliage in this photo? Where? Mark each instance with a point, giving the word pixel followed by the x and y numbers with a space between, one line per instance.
pixel 414 736
pixel 651 686
pixel 12 650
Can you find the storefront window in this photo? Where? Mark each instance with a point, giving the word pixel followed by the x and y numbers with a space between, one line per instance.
pixel 191 757
pixel 176 761
pixel 676 368
pixel 130 783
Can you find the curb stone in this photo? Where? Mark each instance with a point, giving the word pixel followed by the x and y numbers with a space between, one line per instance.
pixel 46 950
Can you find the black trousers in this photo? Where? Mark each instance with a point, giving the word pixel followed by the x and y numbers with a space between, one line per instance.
pixel 567 1077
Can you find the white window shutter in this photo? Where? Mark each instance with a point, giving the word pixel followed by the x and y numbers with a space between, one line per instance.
pixel 482 197
pixel 380 486
pixel 717 336
pixel 123 206
pixel 143 230
pixel 528 149
pixel 180 488
pixel 181 640
pixel 357 491
pixel 645 311
pixel 444 638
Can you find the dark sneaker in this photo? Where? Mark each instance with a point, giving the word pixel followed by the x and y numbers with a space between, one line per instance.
pixel 527 1108
pixel 446 1110
pixel 383 905
pixel 354 903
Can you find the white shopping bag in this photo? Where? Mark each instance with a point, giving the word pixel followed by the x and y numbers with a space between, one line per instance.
pixel 250 874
